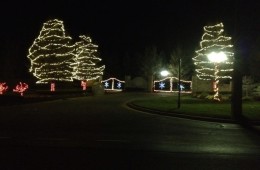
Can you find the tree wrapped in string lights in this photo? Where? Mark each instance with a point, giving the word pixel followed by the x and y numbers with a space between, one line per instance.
pixel 214 59
pixel 51 53
pixel 85 64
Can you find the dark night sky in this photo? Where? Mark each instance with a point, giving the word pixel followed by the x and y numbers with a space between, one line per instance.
pixel 125 27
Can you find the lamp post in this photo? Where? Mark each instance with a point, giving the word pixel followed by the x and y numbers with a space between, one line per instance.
pixel 216 58
pixel 179 86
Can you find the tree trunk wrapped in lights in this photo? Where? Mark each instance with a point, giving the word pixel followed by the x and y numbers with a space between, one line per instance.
pixel 214 59
pixel 51 53
pixel 85 62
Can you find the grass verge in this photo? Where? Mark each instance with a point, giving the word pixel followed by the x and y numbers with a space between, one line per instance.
pixel 199 107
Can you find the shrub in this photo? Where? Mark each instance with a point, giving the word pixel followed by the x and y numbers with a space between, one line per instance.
pixel 202 95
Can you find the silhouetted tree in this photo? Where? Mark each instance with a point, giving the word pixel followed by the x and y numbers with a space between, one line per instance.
pixel 150 63
pixel 186 63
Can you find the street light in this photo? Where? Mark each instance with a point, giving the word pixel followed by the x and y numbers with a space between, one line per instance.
pixel 164 73
pixel 216 58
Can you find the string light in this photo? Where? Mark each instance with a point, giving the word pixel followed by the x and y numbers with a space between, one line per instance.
pixel 3 88
pixel 51 53
pixel 84 85
pixel 21 88
pixel 84 66
pixel 213 40
pixel 52 86
pixel 214 59
pixel 162 85
pixel 118 86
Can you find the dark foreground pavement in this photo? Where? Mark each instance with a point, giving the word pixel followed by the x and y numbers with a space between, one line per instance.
pixel 45 158
pixel 100 132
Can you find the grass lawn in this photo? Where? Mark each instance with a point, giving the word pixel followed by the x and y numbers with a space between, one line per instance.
pixel 199 107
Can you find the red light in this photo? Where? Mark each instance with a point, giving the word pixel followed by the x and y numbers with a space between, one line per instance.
pixel 20 88
pixel 3 88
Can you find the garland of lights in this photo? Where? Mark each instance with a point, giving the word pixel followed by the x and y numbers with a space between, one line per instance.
pixel 171 79
pixel 84 65
pixel 51 54
pixel 213 40
pixel 112 87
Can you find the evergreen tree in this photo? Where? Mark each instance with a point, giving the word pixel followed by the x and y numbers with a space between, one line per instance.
pixel 213 40
pixel 51 53
pixel 85 64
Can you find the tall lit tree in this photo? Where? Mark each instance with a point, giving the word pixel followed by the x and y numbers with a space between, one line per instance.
pixel 51 53
pixel 213 40
pixel 214 61
pixel 85 64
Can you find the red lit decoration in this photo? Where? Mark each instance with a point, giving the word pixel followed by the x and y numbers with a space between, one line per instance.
pixel 3 88
pixel 20 88
pixel 84 85
pixel 52 86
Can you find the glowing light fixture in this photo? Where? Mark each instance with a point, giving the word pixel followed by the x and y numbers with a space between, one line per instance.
pixel 164 73
pixel 216 58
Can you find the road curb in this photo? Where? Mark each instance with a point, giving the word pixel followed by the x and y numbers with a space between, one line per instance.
pixel 185 116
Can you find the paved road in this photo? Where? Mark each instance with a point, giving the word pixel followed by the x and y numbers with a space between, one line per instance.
pixel 102 133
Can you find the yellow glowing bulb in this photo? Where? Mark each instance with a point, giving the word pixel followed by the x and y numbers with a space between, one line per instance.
pixel 217 57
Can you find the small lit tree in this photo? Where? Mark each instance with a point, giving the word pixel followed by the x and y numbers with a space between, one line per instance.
pixel 51 53
pixel 21 88
pixel 214 59
pixel 3 88
pixel 85 64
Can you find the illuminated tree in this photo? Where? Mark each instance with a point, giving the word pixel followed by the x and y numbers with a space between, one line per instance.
pixel 85 64
pixel 214 61
pixel 213 40
pixel 51 54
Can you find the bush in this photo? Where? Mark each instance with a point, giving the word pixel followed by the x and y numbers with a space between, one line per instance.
pixel 210 97
pixel 202 95
pixel 247 98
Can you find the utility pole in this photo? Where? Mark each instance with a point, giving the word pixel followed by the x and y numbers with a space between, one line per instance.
pixel 236 99
pixel 179 85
